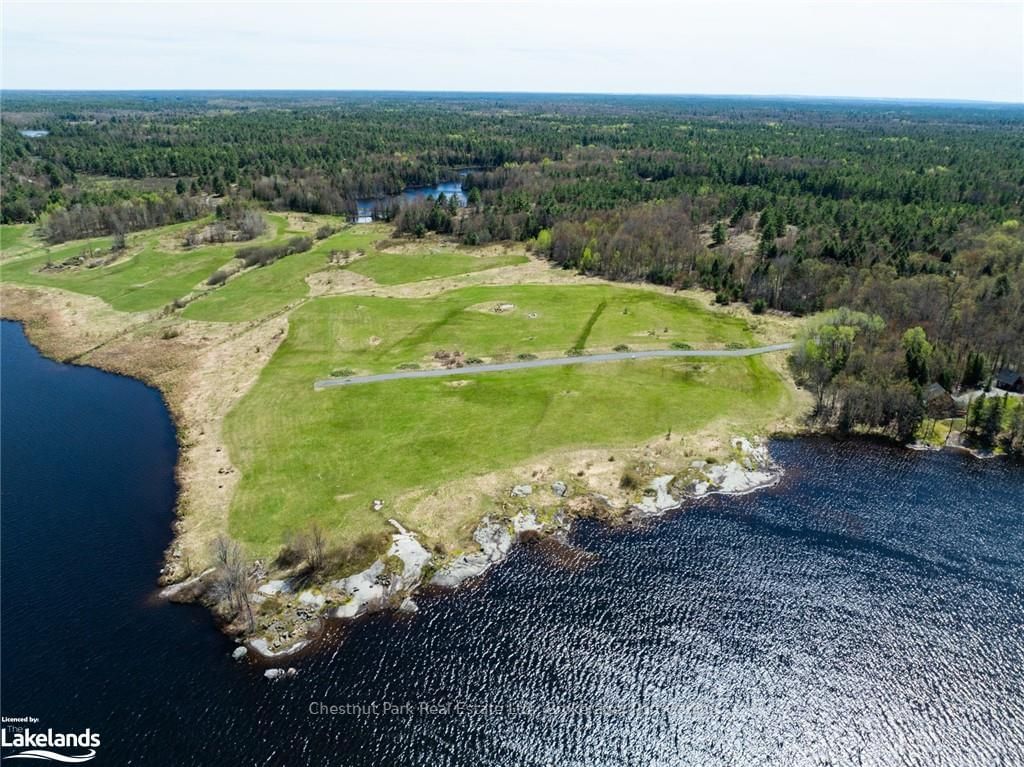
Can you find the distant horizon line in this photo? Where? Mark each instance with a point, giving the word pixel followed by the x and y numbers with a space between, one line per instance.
pixel 448 92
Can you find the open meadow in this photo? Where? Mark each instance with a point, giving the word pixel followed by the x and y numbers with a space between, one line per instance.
pixel 306 457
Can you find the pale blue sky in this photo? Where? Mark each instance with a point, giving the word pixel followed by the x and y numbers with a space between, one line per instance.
pixel 917 49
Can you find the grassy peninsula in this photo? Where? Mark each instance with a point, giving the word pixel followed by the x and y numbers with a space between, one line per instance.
pixel 267 458
pixel 209 247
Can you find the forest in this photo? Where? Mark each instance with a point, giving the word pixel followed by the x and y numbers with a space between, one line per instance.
pixel 901 221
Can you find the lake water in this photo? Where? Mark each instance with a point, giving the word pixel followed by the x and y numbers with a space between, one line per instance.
pixel 34 133
pixel 366 209
pixel 867 610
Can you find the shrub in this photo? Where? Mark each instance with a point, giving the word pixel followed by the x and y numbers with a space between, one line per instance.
pixel 621 348
pixel 219 277
pixel 759 306
pixel 526 356
pixel 291 552
pixel 681 345
pixel 357 555
pixel 393 564
pixel 630 480
pixel 263 255
pixel 251 224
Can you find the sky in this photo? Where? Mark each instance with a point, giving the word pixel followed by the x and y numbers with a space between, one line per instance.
pixel 923 49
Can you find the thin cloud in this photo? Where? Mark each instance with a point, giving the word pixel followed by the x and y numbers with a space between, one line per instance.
pixel 924 49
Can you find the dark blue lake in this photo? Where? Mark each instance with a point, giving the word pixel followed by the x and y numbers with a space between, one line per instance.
pixel 867 610
pixel 368 209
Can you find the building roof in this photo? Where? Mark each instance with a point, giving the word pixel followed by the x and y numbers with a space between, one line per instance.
pixel 931 391
pixel 1008 377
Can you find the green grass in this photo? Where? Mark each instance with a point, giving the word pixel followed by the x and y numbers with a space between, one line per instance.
pixel 309 456
pixel 153 278
pixel 324 456
pixel 581 340
pixel 147 280
pixel 264 290
pixel 935 432
pixel 12 236
pixel 398 268
pixel 373 334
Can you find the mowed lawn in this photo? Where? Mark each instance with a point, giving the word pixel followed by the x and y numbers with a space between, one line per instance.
pixel 154 277
pixel 147 280
pixel 310 456
pixel 262 291
pixel 398 268
pixel 14 238
pixel 374 335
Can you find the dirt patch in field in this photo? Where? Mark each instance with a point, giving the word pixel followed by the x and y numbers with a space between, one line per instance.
pixel 224 371
pixel 336 282
pixel 493 307
pixel 435 245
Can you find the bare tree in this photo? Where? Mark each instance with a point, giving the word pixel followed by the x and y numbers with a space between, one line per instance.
pixel 316 547
pixel 235 579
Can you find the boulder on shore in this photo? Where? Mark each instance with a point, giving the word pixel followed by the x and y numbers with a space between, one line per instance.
pixel 408 606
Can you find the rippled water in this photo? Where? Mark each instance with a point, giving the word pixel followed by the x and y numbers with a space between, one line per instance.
pixel 868 610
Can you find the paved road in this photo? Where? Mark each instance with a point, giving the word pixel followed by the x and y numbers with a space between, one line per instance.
pixel 585 359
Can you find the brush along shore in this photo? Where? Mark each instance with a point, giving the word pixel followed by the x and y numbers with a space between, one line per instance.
pixel 331 503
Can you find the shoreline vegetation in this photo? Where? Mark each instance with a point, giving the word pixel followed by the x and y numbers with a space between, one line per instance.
pixel 213 254
pixel 282 585
pixel 209 372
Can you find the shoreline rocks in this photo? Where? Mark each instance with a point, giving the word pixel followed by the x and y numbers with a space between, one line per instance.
pixel 261 646
pixel 494 540
pixel 190 589
pixel 752 469
pixel 392 580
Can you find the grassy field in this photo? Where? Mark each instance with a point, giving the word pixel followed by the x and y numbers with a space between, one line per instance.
pixel 153 275
pixel 149 279
pixel 375 335
pixel 306 456
pixel 12 237
pixel 398 268
pixel 259 292
pixel 324 456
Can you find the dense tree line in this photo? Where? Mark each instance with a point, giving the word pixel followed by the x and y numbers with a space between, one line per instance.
pixel 80 221
pixel 907 213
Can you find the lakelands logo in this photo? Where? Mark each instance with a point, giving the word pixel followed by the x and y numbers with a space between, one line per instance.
pixel 39 745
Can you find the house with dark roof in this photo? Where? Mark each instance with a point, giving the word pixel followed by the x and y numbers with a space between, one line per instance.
pixel 1010 380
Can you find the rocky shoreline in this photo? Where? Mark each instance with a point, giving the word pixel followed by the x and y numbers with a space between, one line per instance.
pixel 392 581
pixel 203 370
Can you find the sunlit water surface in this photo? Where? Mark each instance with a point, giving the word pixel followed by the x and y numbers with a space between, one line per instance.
pixel 867 610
